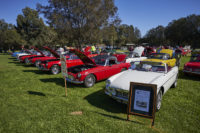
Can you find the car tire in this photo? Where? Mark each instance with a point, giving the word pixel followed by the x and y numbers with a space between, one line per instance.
pixel 89 80
pixel 123 69
pixel 55 69
pixel 159 100
pixel 37 62
pixel 175 83
pixel 26 61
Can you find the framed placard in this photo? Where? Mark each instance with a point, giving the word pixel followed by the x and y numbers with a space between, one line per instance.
pixel 63 65
pixel 142 100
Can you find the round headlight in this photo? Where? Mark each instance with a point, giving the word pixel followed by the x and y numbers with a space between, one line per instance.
pixel 79 75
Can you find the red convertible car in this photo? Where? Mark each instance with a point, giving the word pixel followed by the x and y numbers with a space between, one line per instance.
pixel 49 55
pixel 193 66
pixel 36 53
pixel 54 66
pixel 99 68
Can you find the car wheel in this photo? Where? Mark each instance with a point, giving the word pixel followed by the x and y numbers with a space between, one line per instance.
pixel 55 69
pixel 37 63
pixel 159 100
pixel 175 83
pixel 26 61
pixel 123 69
pixel 89 80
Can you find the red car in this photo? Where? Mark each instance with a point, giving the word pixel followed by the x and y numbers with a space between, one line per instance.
pixel 49 55
pixel 36 53
pixel 55 66
pixel 99 68
pixel 193 66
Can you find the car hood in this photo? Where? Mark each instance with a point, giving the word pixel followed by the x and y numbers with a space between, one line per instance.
pixel 52 51
pixel 38 51
pixel 85 59
pixel 124 79
pixel 139 50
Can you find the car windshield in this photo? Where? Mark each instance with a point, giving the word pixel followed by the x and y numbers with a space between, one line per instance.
pixel 47 53
pixel 148 66
pixel 132 55
pixel 100 59
pixel 36 53
pixel 195 58
pixel 163 56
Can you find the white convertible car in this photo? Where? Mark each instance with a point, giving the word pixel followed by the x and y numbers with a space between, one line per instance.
pixel 136 55
pixel 148 72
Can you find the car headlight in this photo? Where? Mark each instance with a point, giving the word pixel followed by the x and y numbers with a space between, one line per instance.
pixel 107 84
pixel 79 75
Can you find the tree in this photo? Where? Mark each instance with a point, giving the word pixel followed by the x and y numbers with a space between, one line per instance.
pixel 30 26
pixel 184 31
pixel 79 20
pixel 156 35
pixel 8 36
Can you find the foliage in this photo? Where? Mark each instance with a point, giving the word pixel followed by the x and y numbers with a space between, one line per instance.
pixel 184 31
pixel 33 30
pixel 79 20
pixel 34 101
pixel 8 36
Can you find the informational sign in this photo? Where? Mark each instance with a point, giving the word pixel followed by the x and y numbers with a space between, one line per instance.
pixel 142 100
pixel 63 65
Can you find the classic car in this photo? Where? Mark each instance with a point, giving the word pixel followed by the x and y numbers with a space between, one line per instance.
pixel 147 72
pixel 193 66
pixel 50 54
pixel 35 53
pixel 165 56
pixel 99 68
pixel 136 55
pixel 54 66
pixel 21 52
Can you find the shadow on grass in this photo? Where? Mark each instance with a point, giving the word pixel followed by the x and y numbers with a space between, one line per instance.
pixel 101 100
pixel 36 71
pixel 36 93
pixel 21 64
pixel 58 81
pixel 12 58
pixel 188 77
pixel 119 118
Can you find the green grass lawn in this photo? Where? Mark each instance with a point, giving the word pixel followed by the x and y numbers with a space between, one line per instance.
pixel 34 101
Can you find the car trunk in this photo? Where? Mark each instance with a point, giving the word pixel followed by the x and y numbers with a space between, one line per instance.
pixel 80 68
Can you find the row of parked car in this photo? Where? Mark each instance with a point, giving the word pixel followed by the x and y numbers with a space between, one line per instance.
pixel 118 68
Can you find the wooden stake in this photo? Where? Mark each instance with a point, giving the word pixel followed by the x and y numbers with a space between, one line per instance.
pixel 65 87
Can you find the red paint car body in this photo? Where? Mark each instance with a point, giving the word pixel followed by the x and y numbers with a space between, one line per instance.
pixel 54 56
pixel 23 58
pixel 49 65
pixel 193 66
pixel 99 68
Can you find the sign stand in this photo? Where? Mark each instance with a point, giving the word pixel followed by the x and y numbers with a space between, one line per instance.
pixel 65 87
pixel 64 70
pixel 142 101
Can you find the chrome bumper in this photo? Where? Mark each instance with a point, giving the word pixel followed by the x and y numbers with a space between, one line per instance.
pixel 117 97
pixel 42 68
pixel 74 81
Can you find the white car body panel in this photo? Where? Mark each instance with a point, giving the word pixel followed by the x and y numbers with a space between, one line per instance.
pixel 139 51
pixel 121 82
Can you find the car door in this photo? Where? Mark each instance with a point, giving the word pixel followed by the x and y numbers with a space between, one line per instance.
pixel 112 67
pixel 170 77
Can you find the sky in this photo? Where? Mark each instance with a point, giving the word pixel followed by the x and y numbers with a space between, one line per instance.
pixel 143 14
